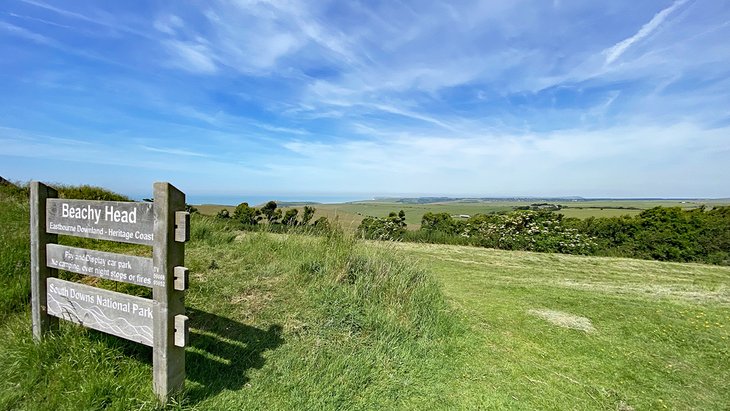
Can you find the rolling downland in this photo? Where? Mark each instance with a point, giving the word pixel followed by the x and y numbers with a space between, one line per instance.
pixel 304 321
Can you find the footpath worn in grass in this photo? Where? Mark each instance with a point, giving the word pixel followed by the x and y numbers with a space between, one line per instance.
pixel 327 322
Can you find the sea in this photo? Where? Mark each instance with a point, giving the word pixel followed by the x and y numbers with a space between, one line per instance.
pixel 255 200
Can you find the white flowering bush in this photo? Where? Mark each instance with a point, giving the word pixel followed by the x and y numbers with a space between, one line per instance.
pixel 390 228
pixel 526 230
pixel 659 233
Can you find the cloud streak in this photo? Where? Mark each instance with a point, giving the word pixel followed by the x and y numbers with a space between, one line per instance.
pixel 194 57
pixel 617 50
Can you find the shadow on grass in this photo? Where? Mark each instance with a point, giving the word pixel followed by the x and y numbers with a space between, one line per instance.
pixel 222 351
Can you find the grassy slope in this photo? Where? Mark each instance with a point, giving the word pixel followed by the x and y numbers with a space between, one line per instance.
pixel 661 341
pixel 277 322
pixel 14 254
pixel 354 327
pixel 299 322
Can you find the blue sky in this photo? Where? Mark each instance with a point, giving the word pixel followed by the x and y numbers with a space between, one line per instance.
pixel 287 98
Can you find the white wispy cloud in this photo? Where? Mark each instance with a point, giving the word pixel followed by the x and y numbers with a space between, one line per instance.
pixel 59 10
pixel 44 21
pixel 528 163
pixel 192 56
pixel 251 37
pixel 28 145
pixel 411 114
pixel 27 34
pixel 95 17
pixel 174 151
pixel 620 48
pixel 169 24
pixel 278 129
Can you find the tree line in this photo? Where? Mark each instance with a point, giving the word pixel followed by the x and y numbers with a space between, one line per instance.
pixel 660 233
pixel 273 215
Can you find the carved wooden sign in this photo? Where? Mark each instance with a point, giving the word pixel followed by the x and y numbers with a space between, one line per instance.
pixel 159 322
pixel 109 266
pixel 114 313
pixel 105 220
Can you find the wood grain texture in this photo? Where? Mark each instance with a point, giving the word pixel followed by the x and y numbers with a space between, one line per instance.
pixel 109 266
pixel 125 222
pixel 119 314
pixel 39 272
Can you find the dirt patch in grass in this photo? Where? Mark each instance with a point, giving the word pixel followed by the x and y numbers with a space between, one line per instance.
pixel 252 301
pixel 565 320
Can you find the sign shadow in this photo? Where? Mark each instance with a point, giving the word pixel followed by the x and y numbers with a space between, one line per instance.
pixel 222 351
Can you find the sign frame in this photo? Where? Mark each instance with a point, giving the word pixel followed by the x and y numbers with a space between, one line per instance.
pixel 164 225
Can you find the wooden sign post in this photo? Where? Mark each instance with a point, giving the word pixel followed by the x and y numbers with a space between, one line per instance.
pixel 160 322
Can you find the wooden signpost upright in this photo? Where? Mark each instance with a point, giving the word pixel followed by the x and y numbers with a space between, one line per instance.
pixel 168 255
pixel 161 322
pixel 42 322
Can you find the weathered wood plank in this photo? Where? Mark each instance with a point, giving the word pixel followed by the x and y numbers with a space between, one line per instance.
pixel 123 315
pixel 168 359
pixel 109 266
pixel 42 322
pixel 106 220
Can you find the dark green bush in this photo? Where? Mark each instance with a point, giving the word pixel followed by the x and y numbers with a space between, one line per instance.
pixel 661 233
pixel 390 228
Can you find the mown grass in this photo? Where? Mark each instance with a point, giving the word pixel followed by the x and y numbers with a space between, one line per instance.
pixel 327 322
pixel 661 340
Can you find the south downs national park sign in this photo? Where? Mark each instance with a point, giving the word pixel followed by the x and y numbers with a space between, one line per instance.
pixel 114 313
pixel 159 322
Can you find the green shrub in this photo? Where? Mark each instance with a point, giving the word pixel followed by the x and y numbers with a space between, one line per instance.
pixel 661 233
pixel 390 228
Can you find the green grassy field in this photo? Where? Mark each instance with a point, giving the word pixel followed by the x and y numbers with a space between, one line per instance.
pixel 351 214
pixel 583 213
pixel 566 332
pixel 584 209
pixel 304 322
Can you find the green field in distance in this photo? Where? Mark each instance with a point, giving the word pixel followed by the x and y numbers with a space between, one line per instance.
pixel 350 214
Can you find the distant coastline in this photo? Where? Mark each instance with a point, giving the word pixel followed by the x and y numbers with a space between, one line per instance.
pixel 301 200
pixel 284 200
